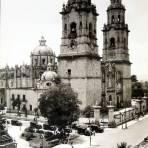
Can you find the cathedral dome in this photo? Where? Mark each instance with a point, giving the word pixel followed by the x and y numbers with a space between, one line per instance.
pixel 42 49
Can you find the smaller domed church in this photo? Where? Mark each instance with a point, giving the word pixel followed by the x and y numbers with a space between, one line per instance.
pixel 25 83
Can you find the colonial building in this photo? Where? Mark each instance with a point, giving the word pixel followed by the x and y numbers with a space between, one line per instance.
pixel 79 61
pixel 23 84
pixel 116 66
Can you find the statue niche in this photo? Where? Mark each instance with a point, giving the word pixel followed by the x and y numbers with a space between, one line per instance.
pixel 110 75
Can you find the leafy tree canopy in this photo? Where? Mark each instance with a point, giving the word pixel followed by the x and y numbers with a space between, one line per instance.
pixel 88 111
pixel 137 90
pixel 59 104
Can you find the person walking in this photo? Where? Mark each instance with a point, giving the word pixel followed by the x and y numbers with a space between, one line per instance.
pixel 72 145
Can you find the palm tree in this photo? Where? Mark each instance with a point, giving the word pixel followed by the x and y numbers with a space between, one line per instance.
pixel 123 145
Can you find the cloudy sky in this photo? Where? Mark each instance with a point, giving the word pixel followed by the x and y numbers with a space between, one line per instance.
pixel 25 21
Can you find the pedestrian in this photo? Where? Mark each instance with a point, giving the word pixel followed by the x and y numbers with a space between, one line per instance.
pixel 72 145
pixel 94 133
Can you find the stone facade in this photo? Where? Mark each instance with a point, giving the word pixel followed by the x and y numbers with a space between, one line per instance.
pixel 79 62
pixel 116 66
pixel 25 83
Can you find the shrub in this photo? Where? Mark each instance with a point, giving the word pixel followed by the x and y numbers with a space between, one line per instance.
pixel 112 124
pixel 123 145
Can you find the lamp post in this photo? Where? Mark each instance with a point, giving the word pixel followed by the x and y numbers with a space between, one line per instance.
pixel 90 132
pixel 42 143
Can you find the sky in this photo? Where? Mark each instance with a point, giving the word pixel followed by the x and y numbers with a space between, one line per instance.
pixel 23 22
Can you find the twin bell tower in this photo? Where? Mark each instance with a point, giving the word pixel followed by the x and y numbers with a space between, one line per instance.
pixel 79 63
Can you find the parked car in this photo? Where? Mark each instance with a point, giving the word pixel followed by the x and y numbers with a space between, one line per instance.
pixel 46 126
pixel 16 123
pixel 40 131
pixel 67 129
pixel 48 134
pixel 96 128
pixel 35 125
pixel 3 120
pixel 29 129
pixel 84 130
pixel 74 126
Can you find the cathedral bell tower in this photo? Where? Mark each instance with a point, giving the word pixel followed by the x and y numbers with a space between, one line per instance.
pixel 79 61
pixel 116 67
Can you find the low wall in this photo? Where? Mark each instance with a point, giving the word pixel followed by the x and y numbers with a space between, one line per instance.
pixel 124 115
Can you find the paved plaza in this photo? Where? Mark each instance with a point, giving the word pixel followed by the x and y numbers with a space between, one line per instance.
pixel 136 132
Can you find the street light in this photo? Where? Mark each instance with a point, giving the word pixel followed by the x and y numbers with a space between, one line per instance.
pixel 42 143
pixel 90 132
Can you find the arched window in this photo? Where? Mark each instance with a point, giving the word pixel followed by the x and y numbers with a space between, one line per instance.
pixel 124 42
pixel 110 98
pixel 95 31
pixel 43 61
pixel 118 40
pixel 35 62
pixel 90 30
pixel 86 26
pixel 81 25
pixel 73 28
pixel 112 42
pixel 90 27
pixel 65 27
pixel 119 18
pixel 118 101
pixel 113 19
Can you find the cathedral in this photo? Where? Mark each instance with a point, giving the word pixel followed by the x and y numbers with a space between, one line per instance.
pixel 115 65
pixel 79 62
pixel 96 80
pixel 23 84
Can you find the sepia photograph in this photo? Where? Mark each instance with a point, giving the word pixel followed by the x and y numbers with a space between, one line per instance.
pixel 73 74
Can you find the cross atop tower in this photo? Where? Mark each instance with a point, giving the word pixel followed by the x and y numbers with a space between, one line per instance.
pixel 42 41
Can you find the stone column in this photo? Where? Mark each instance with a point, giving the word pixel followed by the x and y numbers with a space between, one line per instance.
pixel 111 121
pixel 97 113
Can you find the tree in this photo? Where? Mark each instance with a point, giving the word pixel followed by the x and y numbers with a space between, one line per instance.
pixel 24 109
pixel 59 105
pixel 16 103
pixel 88 112
pixel 145 87
pixel 137 90
pixel 134 78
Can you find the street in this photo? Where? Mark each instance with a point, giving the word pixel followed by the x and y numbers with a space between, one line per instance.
pixel 16 131
pixel 136 132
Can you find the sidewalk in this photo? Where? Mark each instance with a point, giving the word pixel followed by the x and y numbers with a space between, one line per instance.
pixel 137 130
pixel 22 117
